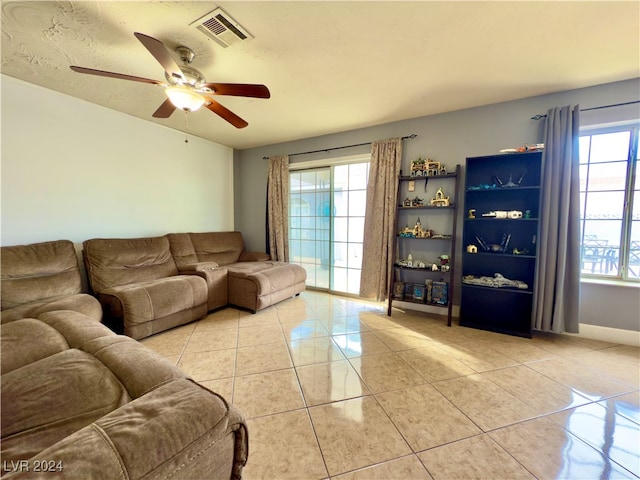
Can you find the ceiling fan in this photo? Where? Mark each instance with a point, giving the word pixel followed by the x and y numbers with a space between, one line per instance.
pixel 185 86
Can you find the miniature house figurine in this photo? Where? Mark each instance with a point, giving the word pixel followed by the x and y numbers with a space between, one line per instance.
pixel 417 229
pixel 441 200
pixel 417 168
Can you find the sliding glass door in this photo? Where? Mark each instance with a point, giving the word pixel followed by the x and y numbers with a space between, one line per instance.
pixel 326 223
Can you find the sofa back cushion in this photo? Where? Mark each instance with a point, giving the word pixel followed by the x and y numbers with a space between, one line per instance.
pixel 124 261
pixel 182 249
pixel 222 248
pixel 38 271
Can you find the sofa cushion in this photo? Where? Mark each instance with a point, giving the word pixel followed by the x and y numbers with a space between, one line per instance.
pixel 222 248
pixel 124 261
pixel 145 301
pixel 256 285
pixel 26 341
pixel 269 276
pixel 38 271
pixel 80 302
pixel 47 400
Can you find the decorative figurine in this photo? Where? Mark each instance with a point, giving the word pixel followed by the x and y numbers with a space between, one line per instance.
pixel 417 229
pixel 406 203
pixel 510 183
pixel 418 167
pixel 472 249
pixel 441 200
pixel 472 213
pixel 514 214
pixel 497 281
pixel 417 202
pixel 527 214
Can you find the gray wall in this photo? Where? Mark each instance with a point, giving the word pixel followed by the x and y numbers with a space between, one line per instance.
pixel 450 138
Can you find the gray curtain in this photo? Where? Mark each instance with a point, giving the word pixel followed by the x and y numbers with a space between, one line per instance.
pixel 557 289
pixel 379 220
pixel 278 208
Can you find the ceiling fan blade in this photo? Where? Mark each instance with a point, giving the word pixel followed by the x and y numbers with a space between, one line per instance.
pixel 161 54
pixel 165 110
pixel 122 76
pixel 225 113
pixel 239 89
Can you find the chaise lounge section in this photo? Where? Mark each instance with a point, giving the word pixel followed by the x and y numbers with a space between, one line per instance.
pixel 254 281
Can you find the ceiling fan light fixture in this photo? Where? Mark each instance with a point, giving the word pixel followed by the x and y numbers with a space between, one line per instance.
pixel 184 98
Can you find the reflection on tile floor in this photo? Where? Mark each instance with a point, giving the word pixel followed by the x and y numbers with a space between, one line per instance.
pixel 334 388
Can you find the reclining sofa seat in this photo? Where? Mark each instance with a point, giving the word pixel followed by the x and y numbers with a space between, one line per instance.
pixel 139 286
pixel 43 277
pixel 101 405
pixel 253 280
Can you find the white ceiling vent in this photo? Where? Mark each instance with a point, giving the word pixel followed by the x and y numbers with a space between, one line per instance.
pixel 219 26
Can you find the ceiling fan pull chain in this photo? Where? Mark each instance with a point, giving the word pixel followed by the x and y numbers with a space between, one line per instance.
pixel 186 130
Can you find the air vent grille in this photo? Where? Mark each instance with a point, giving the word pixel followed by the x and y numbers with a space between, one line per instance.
pixel 219 26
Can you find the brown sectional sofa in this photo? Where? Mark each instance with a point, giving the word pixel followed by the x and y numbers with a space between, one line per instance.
pixel 80 402
pixel 43 277
pixel 147 285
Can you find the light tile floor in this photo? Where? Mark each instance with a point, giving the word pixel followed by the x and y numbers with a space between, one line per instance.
pixel 334 388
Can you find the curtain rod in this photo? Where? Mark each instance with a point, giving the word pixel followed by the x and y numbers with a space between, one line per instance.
pixel 413 135
pixel 538 116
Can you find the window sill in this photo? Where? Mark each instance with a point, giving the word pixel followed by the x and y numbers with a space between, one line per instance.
pixel 610 281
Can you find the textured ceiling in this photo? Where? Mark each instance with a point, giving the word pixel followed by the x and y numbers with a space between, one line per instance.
pixel 330 66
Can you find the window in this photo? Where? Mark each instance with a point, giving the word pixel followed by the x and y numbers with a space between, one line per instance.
pixel 610 203
pixel 326 224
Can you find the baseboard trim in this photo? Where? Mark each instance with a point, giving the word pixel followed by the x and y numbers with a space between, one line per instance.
pixel 608 334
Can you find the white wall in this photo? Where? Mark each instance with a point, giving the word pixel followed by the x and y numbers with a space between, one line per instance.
pixel 74 170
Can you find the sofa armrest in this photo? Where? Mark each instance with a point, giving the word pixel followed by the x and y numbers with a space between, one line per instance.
pixel 197 267
pixel 216 278
pixel 254 257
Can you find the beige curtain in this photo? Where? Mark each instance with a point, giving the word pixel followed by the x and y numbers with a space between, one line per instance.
pixel 278 208
pixel 379 220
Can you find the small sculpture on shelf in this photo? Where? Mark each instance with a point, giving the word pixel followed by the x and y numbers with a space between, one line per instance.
pixel 502 214
pixel 497 281
pixel 406 203
pixel 444 263
pixel 417 202
pixel 406 232
pixel 419 232
pixel 440 200
pixel 510 183
pixel 432 168
pixel 417 167
pixel 472 249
